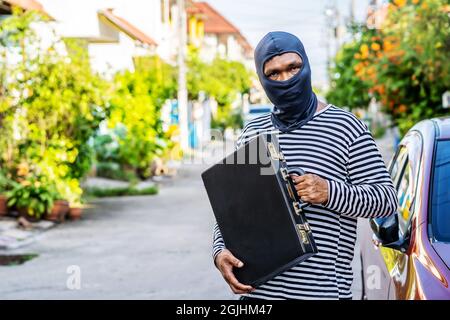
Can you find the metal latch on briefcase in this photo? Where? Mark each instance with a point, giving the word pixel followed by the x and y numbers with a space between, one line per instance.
pixel 297 208
pixel 274 154
pixel 303 229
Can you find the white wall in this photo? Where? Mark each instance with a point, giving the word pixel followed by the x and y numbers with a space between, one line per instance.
pixel 108 58
pixel 79 18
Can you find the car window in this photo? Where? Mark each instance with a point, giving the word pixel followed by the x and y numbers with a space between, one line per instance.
pixel 398 164
pixel 440 195
pixel 405 194
pixel 404 169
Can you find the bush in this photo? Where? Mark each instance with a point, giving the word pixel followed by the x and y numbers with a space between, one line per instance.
pixel 120 191
pixel 35 196
pixel 404 65
pixel 112 170
pixel 223 80
pixel 53 99
pixel 136 112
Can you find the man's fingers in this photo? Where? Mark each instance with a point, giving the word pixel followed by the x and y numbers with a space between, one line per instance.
pixel 231 279
pixel 297 179
pixel 237 291
pixel 234 261
pixel 301 186
pixel 239 285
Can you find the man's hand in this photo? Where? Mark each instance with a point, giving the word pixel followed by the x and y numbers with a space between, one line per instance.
pixel 225 261
pixel 311 188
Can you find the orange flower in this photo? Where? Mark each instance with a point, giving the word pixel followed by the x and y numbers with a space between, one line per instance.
pixel 22 169
pixel 400 3
pixel 388 45
pixel 25 183
pixel 371 70
pixel 357 67
pixel 364 51
pixel 391 105
pixel 401 108
pixel 375 46
pixel 357 56
pixel 419 49
pixel 415 1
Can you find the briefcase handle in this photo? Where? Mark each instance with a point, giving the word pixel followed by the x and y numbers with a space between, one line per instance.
pixel 299 171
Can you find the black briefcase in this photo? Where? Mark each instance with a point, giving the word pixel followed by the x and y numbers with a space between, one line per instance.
pixel 258 211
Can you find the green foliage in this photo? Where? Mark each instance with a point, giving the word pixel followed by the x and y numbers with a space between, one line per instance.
pixel 112 170
pixel 222 79
pixel 413 72
pixel 53 99
pixel 404 65
pixel 6 183
pixel 35 196
pixel 136 112
pixel 346 89
pixel 121 191
pixel 227 117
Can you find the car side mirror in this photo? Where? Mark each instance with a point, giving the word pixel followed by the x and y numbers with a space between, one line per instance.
pixel 386 232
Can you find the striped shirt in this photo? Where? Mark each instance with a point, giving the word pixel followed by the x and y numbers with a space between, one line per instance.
pixel 338 147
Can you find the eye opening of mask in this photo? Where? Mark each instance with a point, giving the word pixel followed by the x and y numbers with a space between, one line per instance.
pixel 279 54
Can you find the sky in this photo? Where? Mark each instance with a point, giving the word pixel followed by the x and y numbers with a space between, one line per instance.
pixel 304 18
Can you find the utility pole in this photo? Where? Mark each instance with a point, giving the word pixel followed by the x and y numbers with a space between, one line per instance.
pixel 182 90
pixel 352 11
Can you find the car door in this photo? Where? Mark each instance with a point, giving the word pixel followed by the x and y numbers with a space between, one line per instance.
pixel 376 276
pixel 398 263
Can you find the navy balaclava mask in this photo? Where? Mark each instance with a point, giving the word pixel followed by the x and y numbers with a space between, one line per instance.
pixel 294 101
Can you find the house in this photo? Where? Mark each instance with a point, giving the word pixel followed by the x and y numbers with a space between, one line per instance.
pixel 6 6
pixel 114 36
pixel 215 35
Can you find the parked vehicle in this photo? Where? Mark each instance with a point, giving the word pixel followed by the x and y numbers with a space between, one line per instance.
pixel 407 255
pixel 256 110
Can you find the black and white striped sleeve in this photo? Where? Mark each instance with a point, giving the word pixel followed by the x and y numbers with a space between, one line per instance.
pixel 369 191
pixel 218 244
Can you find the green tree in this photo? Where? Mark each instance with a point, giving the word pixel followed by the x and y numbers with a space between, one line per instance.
pixel 136 112
pixel 54 104
pixel 346 89
pixel 222 79
pixel 404 64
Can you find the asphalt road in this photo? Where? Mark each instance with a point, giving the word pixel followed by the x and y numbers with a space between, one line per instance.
pixel 147 247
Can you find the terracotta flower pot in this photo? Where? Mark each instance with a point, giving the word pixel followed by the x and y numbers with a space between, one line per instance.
pixel 3 206
pixel 23 212
pixel 58 212
pixel 75 213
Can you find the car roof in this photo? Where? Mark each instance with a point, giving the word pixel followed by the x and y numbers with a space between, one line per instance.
pixel 435 128
pixel 442 125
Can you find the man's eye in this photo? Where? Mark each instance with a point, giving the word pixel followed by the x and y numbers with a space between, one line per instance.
pixel 273 75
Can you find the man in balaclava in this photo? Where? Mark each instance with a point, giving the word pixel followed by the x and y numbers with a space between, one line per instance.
pixel 345 178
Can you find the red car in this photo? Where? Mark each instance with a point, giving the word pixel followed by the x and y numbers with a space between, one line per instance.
pixel 407 255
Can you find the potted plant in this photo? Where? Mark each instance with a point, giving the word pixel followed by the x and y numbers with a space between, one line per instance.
pixel 32 198
pixel 58 211
pixel 76 210
pixel 70 190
